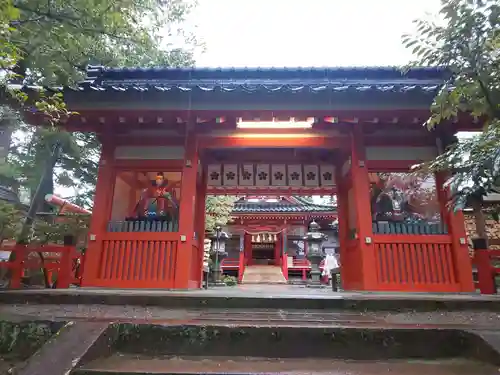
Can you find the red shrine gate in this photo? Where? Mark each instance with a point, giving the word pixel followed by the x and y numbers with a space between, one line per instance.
pixel 279 132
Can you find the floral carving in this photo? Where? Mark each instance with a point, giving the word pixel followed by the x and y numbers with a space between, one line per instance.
pixel 311 176
pixel 214 176
pixel 278 176
pixel 295 176
pixel 246 175
pixel 262 176
pixel 327 176
pixel 230 175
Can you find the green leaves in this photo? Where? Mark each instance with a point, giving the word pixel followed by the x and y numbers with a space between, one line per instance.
pixel 61 37
pixel 50 43
pixel 218 210
pixel 466 42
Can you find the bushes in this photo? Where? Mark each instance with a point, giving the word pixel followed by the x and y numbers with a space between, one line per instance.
pixel 230 280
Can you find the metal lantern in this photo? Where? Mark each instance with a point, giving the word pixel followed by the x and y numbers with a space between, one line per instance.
pixel 315 252
pixel 218 251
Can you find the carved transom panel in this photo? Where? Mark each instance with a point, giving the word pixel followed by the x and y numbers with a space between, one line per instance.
pixel 271 175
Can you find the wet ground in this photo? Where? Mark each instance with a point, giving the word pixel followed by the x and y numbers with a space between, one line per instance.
pixel 465 319
pixel 145 364
pixel 263 291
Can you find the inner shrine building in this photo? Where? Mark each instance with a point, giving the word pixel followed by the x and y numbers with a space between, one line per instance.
pixel 170 137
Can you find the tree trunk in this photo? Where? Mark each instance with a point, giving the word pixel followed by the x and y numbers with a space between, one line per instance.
pixel 36 202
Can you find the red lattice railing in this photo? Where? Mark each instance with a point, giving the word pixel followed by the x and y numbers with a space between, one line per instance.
pixel 412 263
pixel 138 263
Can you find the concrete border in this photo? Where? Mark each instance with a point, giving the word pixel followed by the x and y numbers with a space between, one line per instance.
pixel 223 300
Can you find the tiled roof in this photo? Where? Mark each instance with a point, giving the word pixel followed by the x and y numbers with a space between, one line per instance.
pixel 300 205
pixel 383 79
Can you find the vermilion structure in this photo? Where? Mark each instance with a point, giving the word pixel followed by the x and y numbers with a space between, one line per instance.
pixel 281 132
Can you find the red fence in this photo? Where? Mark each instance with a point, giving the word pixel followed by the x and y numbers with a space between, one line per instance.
pixel 64 261
pixel 486 271
pixel 415 263
pixel 140 263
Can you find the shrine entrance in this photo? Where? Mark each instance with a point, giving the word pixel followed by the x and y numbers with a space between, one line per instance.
pixel 171 137
pixel 265 171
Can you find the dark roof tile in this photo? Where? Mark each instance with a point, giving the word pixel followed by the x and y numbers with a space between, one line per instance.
pixel 283 206
pixel 291 80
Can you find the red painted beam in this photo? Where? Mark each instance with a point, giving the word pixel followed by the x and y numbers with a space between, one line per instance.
pixel 295 141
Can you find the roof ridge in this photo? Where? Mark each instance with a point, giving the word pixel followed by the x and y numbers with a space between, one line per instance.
pixel 99 73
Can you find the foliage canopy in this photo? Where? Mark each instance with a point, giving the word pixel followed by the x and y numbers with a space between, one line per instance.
pixel 465 39
pixel 50 43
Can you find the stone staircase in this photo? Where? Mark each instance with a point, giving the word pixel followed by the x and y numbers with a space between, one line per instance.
pixel 263 275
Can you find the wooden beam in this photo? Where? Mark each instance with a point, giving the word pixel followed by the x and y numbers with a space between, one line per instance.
pixel 268 140
pixel 391 165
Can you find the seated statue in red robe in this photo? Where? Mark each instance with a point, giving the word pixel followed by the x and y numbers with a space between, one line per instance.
pixel 158 200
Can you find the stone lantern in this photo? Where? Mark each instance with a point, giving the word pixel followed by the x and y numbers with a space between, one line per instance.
pixel 219 239
pixel 315 253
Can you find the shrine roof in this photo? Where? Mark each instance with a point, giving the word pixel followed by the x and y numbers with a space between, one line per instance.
pixel 383 79
pixel 292 205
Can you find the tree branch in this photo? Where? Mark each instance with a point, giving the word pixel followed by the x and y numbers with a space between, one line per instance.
pixel 70 21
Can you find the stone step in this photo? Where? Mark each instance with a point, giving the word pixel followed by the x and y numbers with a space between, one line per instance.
pixel 150 349
pixel 263 275
pixel 126 364
pixel 251 297
pixel 61 353
pixel 238 349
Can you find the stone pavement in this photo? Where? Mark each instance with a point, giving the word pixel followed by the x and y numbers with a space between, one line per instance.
pixel 416 334
pixel 256 296
pixel 256 317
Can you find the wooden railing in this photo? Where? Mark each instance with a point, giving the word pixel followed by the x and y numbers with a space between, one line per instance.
pixel 230 264
pixel 486 271
pixel 143 225
pixel 64 261
pixel 141 260
pixel 384 227
pixel 303 266
pixel 414 262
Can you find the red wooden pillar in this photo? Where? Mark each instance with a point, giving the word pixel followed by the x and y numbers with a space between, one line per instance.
pixel 456 227
pixel 361 189
pixel 200 219
pixel 343 220
pixel 278 245
pixel 17 266
pixel 241 260
pixel 485 275
pixel 248 248
pixel 64 276
pixel 101 212
pixel 284 253
pixel 183 265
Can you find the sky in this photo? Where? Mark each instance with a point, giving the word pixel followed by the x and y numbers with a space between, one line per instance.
pixel 293 33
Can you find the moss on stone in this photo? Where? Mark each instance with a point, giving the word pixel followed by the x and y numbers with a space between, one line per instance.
pixel 22 339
